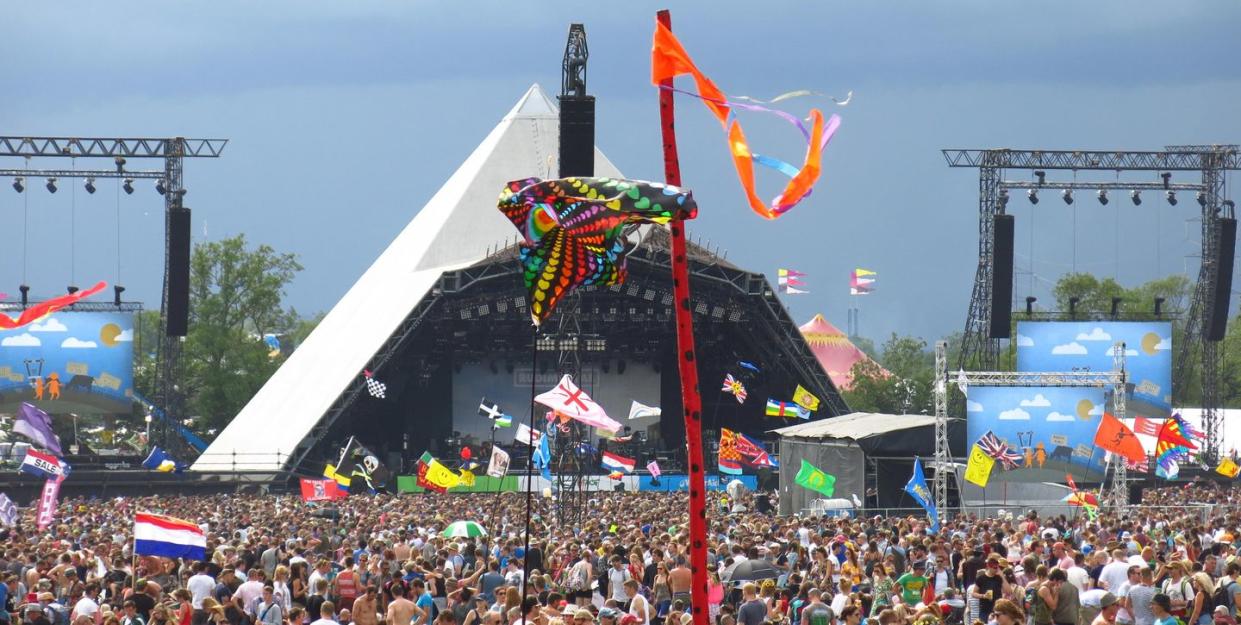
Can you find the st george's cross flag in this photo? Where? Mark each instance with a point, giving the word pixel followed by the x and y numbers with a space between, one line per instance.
pixel 568 400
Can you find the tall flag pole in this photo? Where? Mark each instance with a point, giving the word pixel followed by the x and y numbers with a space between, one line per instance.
pixel 687 365
pixel 861 282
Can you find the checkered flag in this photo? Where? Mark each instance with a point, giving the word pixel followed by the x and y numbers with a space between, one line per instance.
pixel 376 388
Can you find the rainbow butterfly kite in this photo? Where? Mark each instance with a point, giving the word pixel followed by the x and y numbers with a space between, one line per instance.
pixel 572 229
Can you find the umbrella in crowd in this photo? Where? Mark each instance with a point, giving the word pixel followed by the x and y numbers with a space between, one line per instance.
pixel 463 529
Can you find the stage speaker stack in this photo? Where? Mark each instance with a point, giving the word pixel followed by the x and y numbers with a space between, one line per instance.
pixel 577 136
pixel 1223 279
pixel 178 269
pixel 1002 277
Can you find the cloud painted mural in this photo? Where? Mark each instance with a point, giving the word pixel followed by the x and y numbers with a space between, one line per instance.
pixel 1090 345
pixel 69 362
pixel 1051 427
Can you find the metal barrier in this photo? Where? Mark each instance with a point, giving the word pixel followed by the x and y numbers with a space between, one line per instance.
pixel 1017 510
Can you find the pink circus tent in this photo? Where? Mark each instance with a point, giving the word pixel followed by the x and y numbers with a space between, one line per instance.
pixel 834 350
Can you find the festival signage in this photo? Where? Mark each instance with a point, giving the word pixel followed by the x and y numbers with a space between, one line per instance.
pixel 69 362
pixel 1052 428
pixel 1090 346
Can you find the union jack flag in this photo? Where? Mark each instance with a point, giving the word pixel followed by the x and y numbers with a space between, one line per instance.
pixel 734 386
pixel 999 450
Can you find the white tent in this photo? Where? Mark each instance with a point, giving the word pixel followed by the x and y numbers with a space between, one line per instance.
pixel 453 230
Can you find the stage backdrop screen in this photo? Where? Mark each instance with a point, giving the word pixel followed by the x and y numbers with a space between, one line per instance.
pixel 1051 427
pixel 1089 345
pixel 69 362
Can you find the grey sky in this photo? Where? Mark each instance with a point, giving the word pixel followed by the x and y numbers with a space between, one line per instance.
pixel 345 117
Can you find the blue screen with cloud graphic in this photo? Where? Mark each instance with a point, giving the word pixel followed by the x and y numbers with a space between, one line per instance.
pixel 1090 345
pixel 69 362
pixel 1051 427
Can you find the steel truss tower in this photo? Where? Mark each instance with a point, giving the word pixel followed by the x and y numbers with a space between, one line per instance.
pixel 173 151
pixel 980 352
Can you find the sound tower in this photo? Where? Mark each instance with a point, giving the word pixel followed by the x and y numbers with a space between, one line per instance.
pixel 1223 278
pixel 577 136
pixel 177 309
pixel 1002 277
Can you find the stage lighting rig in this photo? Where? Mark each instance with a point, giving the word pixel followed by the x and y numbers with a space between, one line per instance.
pixel 1030 299
pixel 51 185
pixel 1103 197
pixel 1171 197
pixel 116 294
pixel 1202 199
pixel 1002 198
pixel 1136 196
pixel 159 187
pixel 1067 196
pixel 1032 194
pixel 128 186
pixel 90 186
pixel 17 184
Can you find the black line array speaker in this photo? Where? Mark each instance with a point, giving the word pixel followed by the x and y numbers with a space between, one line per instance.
pixel 178 268
pixel 1002 277
pixel 577 136
pixel 1223 284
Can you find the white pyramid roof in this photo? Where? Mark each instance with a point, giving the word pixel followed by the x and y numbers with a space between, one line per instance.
pixel 453 230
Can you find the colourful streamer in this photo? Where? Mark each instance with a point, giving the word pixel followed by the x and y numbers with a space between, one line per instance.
pixel 669 60
pixel 42 309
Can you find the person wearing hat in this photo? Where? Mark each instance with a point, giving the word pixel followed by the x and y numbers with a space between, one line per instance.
pixel 1109 607
pixel 912 584
pixel 1161 605
pixel 609 616
pixel 582 616
pixel 33 615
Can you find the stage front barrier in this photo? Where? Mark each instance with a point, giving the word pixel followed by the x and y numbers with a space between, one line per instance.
pixel 1202 512
pixel 591 483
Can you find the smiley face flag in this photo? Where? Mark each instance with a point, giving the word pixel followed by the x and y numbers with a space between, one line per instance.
pixel 815 479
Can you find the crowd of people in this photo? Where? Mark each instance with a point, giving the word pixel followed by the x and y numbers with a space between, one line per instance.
pixel 622 560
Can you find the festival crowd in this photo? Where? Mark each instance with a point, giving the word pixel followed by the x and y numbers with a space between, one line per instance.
pixel 367 560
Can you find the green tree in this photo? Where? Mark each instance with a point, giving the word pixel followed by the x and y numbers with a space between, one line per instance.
pixel 236 294
pixel 906 385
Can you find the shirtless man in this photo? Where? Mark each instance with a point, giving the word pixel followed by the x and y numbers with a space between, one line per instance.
pixel 401 611
pixel 679 581
pixel 366 607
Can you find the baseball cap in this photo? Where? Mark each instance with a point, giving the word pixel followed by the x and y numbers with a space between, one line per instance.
pixel 609 613
pixel 1107 600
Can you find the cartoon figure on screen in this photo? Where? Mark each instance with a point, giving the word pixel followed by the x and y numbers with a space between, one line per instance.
pixel 38 388
pixel 1040 455
pixel 1029 464
pixel 53 386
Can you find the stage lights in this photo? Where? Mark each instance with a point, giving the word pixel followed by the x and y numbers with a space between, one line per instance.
pixel 128 186
pixel 159 187
pixel 1003 198
pixel 51 185
pixel 1041 175
pixel 1103 197
pixel 1202 198
pixel 1116 307
pixel 1073 306
pixel 1030 299
pixel 1167 178
pixel 17 184
pixel 1032 194
pixel 1067 196
pixel 1171 197
pixel 1136 196
pixel 116 294
pixel 90 186
pixel 1159 306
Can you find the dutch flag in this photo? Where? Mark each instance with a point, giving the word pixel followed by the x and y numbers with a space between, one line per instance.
pixel 618 463
pixel 168 537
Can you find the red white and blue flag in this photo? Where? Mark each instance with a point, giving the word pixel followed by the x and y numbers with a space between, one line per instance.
pixel 618 463
pixel 44 465
pixel 999 450
pixel 168 537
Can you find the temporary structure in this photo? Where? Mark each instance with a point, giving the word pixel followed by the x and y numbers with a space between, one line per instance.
pixel 834 350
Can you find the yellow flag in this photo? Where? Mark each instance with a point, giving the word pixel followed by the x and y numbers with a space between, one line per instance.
pixel 1228 468
pixel 330 473
pixel 467 477
pixel 978 470
pixel 441 475
pixel 805 398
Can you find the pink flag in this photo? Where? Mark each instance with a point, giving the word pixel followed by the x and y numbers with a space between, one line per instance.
pixel 47 503
pixel 653 467
pixel 569 400
pixel 1149 427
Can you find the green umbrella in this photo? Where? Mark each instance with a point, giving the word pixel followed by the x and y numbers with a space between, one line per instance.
pixel 463 529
